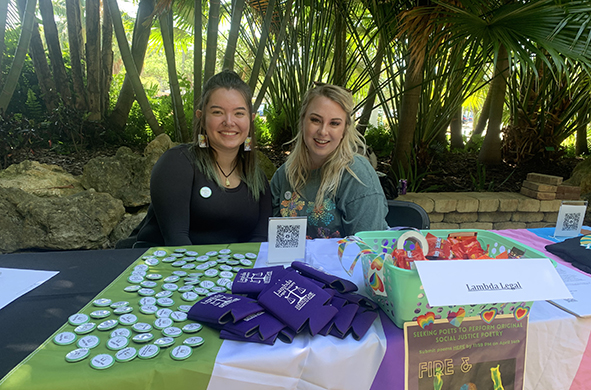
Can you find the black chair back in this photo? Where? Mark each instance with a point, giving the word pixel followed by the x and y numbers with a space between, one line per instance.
pixel 407 214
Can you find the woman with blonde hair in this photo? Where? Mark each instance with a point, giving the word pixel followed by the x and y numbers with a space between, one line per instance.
pixel 325 177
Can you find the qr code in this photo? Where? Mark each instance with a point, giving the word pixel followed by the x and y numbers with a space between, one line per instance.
pixel 287 236
pixel 571 221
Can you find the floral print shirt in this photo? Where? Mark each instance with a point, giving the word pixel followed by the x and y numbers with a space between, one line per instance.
pixel 356 206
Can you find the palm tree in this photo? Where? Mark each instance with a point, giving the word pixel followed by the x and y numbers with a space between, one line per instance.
pixel 3 16
pixel 55 51
pixel 175 92
pixel 131 69
pixel 93 58
pixel 212 39
pixel 237 9
pixel 525 31
pixel 76 52
pixel 139 43
pixel 106 58
pixel 28 20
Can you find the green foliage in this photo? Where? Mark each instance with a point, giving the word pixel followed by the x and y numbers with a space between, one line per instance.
pixel 16 131
pixel 413 175
pixel 280 130
pixel 380 140
pixel 479 183
pixel 34 108
pixel 262 131
pixel 22 102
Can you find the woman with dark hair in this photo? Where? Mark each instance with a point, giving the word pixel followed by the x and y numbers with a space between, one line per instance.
pixel 211 191
pixel 326 177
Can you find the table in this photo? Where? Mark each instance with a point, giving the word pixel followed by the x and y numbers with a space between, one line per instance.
pixel 31 319
pixel 558 356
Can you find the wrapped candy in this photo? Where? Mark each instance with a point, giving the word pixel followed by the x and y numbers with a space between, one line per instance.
pixel 402 258
pixel 439 248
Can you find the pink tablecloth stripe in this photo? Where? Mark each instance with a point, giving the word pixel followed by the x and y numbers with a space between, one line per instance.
pixel 582 380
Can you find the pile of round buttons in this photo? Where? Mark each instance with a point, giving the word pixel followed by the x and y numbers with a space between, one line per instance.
pixel 191 278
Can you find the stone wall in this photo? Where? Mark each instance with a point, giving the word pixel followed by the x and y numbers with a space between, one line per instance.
pixel 485 210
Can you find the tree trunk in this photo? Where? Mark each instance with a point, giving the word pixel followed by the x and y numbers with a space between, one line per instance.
pixel 37 54
pixel 581 146
pixel 456 84
pixel 46 84
pixel 173 81
pixel 131 69
pixel 373 87
pixel 490 153
pixel 340 45
pixel 409 107
pixel 212 39
pixel 139 44
pixel 3 15
pixel 93 58
pixel 482 118
pixel 273 62
pixel 237 10
pixel 258 59
pixel 455 128
pixel 106 59
pixel 75 40
pixel 55 52
pixel 197 61
pixel 14 73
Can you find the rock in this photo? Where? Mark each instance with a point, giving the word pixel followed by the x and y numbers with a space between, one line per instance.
pixel 126 226
pixel 40 179
pixel 80 221
pixel 581 176
pixel 159 145
pixel 126 176
pixel 266 165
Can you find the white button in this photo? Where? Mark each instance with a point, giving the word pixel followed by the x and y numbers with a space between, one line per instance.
pixel 102 361
pixel 88 342
pixel 128 319
pixel 108 324
pixel 148 301
pixel 162 323
pixel 181 352
pixel 78 319
pixel 193 341
pixel 143 338
pixel 126 354
pixel 77 355
pixel 117 343
pixel 148 351
pixel 193 327
pixel 205 192
pixel 178 316
pixel 102 302
pixel 64 338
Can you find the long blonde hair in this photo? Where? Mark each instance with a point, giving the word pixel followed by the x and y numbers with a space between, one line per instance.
pixel 298 165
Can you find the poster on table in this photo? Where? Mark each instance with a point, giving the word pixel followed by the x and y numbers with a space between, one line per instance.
pixel 477 353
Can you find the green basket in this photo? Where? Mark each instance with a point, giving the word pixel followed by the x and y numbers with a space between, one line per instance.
pixel 405 298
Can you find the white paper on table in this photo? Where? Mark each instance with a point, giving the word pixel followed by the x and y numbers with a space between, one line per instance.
pixel 17 282
pixel 579 286
pixel 470 282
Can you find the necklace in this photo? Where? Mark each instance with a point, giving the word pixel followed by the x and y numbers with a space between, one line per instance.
pixel 223 173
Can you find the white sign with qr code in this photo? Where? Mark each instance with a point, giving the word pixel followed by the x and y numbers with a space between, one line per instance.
pixel 287 240
pixel 570 218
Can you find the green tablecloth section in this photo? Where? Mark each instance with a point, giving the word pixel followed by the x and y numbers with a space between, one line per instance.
pixel 47 369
